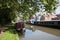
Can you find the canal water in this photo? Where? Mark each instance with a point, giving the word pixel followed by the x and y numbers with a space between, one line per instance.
pixel 40 33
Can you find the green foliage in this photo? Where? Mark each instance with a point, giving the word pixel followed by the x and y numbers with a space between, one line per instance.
pixel 9 35
pixel 28 7
pixel 50 5
pixel 9 8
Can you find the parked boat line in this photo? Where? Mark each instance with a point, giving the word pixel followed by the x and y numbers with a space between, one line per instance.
pixel 53 24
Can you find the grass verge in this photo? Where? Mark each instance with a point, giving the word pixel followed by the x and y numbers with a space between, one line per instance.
pixel 9 35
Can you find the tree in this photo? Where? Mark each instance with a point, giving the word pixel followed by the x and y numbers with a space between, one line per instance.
pixel 28 7
pixel 50 5
pixel 9 8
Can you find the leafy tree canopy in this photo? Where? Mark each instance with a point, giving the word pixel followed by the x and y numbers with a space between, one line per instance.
pixel 9 8
pixel 50 5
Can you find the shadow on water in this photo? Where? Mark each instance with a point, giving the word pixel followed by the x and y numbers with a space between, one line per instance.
pixel 21 34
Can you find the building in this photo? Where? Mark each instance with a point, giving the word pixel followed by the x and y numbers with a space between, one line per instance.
pixel 50 17
pixel 45 17
pixel 57 17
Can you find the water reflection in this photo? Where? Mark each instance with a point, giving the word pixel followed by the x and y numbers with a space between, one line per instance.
pixel 21 35
pixel 37 34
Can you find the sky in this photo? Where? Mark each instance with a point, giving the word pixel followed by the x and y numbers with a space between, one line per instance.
pixel 58 10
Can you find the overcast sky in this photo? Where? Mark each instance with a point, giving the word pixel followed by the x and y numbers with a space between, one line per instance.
pixel 58 10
